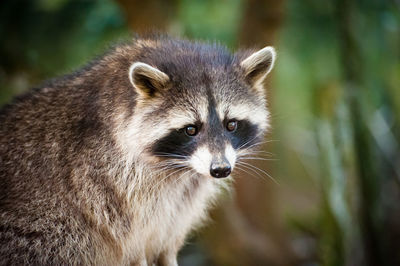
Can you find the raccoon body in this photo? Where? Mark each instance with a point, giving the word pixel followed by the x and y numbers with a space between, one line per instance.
pixel 117 162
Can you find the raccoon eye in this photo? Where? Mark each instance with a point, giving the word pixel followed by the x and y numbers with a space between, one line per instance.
pixel 191 130
pixel 231 125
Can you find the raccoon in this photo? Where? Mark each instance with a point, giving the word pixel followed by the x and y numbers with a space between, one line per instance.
pixel 115 163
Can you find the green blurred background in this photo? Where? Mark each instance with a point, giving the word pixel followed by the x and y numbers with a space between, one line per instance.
pixel 335 102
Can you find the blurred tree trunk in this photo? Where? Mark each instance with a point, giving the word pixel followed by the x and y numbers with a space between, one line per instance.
pixel 143 16
pixel 256 199
pixel 260 22
pixel 255 235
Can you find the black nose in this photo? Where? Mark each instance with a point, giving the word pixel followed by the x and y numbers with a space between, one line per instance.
pixel 219 170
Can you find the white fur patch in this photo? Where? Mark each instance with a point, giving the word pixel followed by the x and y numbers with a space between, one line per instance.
pixel 230 154
pixel 256 115
pixel 180 118
pixel 201 160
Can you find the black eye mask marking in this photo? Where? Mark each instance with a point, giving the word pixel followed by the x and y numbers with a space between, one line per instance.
pixel 245 135
pixel 177 142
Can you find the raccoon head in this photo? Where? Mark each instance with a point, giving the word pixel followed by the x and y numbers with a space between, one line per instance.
pixel 198 107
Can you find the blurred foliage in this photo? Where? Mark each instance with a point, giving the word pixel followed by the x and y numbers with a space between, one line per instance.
pixel 41 39
pixel 335 100
pixel 339 73
pixel 210 20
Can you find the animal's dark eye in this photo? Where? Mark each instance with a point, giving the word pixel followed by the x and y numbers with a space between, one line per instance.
pixel 231 125
pixel 191 130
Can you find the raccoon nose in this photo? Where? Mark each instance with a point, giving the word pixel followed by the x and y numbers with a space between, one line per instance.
pixel 220 169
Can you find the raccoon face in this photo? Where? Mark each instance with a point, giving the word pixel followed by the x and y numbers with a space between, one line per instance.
pixel 201 112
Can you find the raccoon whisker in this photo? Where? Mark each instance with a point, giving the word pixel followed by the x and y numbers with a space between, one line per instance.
pixel 272 140
pixel 166 168
pixel 156 185
pixel 168 163
pixel 181 164
pixel 255 153
pixel 245 171
pixel 257 143
pixel 247 142
pixel 163 167
pixel 256 158
pixel 176 181
pixel 252 172
pixel 165 154
pixel 170 157
pixel 254 144
pixel 170 167
pixel 244 164
pixel 265 152
pixel 174 161
pixel 182 176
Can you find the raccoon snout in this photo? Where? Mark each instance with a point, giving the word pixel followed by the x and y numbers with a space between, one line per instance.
pixel 220 169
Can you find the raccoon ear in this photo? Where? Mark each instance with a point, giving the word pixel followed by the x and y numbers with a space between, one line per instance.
pixel 147 80
pixel 259 64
